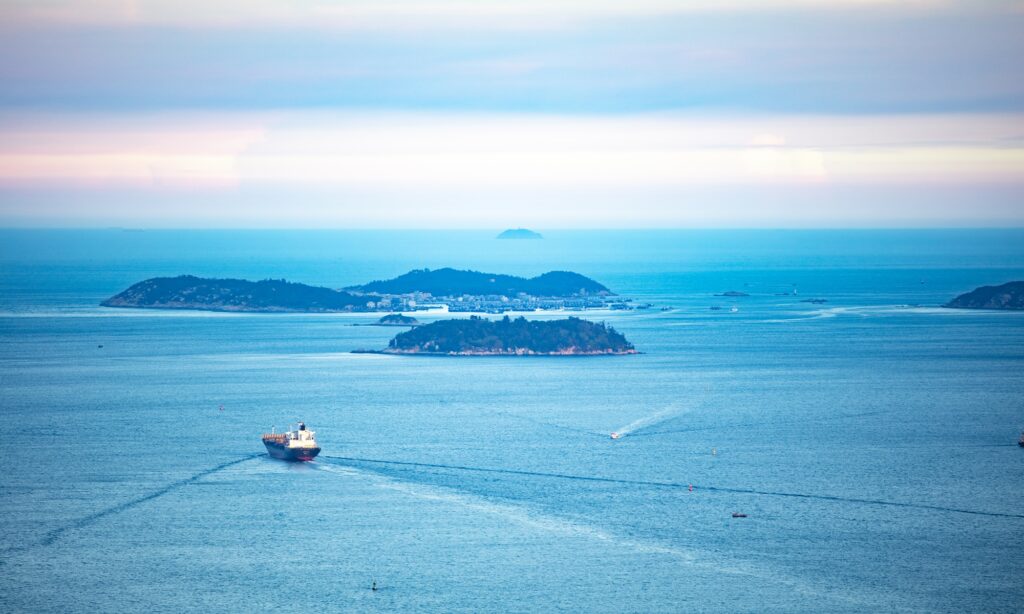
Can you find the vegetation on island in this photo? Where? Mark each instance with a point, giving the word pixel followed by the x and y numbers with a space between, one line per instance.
pixel 278 295
pixel 1009 296
pixel 520 233
pixel 518 337
pixel 452 282
pixel 269 295
pixel 397 319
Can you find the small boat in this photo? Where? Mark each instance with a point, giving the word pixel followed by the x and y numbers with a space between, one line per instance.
pixel 738 515
pixel 295 445
pixel 616 436
pixel 1020 442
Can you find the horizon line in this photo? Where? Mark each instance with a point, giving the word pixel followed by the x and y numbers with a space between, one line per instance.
pixel 501 229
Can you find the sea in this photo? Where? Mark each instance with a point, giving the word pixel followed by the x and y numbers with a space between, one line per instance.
pixel 869 440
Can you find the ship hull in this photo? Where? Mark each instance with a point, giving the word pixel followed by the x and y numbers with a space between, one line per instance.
pixel 291 454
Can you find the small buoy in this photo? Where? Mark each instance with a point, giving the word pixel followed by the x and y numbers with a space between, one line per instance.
pixel 373 586
pixel 691 487
pixel 222 408
pixel 714 451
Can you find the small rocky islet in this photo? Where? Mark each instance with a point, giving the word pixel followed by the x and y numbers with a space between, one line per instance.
pixel 397 319
pixel 519 233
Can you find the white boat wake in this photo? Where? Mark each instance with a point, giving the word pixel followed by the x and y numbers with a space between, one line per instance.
pixel 672 411
pixel 526 516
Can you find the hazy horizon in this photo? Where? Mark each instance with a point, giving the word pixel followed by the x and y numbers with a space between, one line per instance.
pixel 497 229
pixel 445 114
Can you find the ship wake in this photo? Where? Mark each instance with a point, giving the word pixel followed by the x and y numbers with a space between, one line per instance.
pixel 525 516
pixel 52 536
pixel 671 412
pixel 681 486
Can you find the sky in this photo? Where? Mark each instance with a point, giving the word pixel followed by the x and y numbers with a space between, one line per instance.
pixel 491 114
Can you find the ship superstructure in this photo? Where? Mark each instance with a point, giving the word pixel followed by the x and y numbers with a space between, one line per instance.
pixel 294 445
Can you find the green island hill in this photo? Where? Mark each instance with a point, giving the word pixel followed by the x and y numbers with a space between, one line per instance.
pixel 453 282
pixel 476 336
pixel 278 295
pixel 269 295
pixel 1008 296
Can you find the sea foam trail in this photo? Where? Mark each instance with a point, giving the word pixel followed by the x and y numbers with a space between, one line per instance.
pixel 52 536
pixel 518 514
pixel 649 421
pixel 529 518
pixel 866 311
pixel 679 485
pixel 670 412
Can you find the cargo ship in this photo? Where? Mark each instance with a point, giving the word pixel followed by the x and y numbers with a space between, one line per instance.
pixel 296 445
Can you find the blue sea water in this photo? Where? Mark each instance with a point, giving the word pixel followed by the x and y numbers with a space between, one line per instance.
pixel 871 440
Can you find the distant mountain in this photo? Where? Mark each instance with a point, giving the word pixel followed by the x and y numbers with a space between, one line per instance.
pixel 520 233
pixel 270 295
pixel 519 337
pixel 1008 296
pixel 451 282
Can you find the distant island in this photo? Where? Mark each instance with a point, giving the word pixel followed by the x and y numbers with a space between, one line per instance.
pixel 454 290
pixel 397 319
pixel 453 283
pixel 269 295
pixel 733 293
pixel 1009 296
pixel 476 336
pixel 520 233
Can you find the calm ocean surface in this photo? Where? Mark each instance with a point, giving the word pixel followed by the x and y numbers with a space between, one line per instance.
pixel 871 440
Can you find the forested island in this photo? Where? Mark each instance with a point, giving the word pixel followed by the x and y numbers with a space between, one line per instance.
pixel 452 282
pixel 460 291
pixel 269 295
pixel 476 336
pixel 1009 296
pixel 520 233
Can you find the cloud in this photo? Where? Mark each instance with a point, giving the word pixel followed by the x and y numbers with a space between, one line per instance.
pixel 799 57
pixel 450 151
pixel 449 111
pixel 417 14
